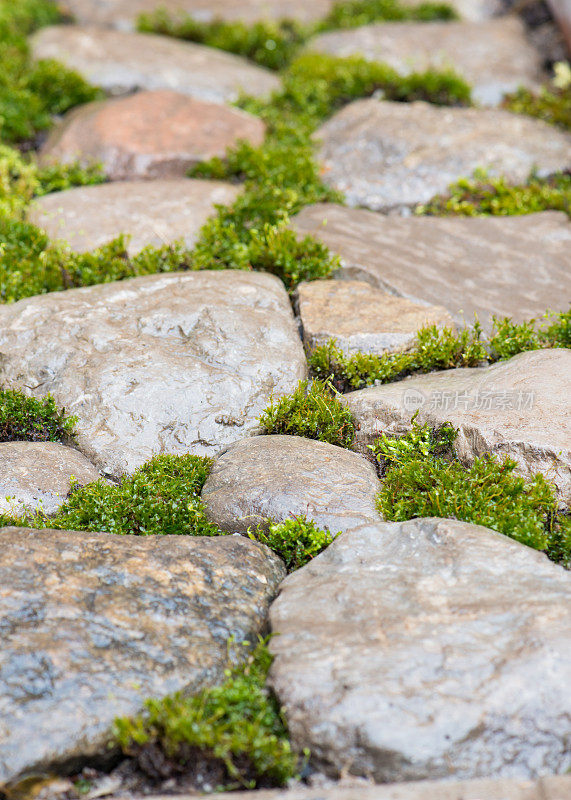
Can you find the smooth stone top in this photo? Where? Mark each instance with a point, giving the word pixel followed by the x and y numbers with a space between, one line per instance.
pixel 126 62
pixel 279 477
pixel 361 318
pixel 155 213
pixel 171 363
pixel 38 475
pixel 503 266
pixel 386 155
pixel 426 649
pixel 519 408
pixel 158 134
pixel 494 57
pixel 123 13
pixel 92 624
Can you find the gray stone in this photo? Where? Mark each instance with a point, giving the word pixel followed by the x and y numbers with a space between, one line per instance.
pixel 123 13
pixel 279 477
pixel 38 475
pixel 503 266
pixel 175 363
pixel 92 624
pixel 361 318
pixel 386 155
pixel 126 62
pixel 519 408
pixel 553 788
pixel 426 649
pixel 158 134
pixel 153 213
pixel 494 57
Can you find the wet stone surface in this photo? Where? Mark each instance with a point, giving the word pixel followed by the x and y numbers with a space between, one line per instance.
pixel 159 134
pixel 155 213
pixel 177 363
pixel 494 57
pixel 38 475
pixel 92 624
pixel 519 408
pixel 278 477
pixel 401 655
pixel 121 62
pixel 386 155
pixel 503 266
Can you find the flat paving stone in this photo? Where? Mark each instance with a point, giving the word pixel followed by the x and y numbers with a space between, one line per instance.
pixel 121 63
pixel 172 363
pixel 123 13
pixel 38 475
pixel 519 408
pixel 505 266
pixel 494 57
pixel 554 788
pixel 158 134
pixel 279 477
pixel 361 318
pixel 426 649
pixel 386 155
pixel 93 624
pixel 155 213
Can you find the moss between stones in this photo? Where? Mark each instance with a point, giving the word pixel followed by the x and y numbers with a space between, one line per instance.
pixel 422 478
pixel 275 44
pixel 439 349
pixel 296 541
pixel 485 196
pixel 28 419
pixel 231 736
pixel 551 104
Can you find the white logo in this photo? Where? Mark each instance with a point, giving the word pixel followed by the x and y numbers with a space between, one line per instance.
pixel 412 400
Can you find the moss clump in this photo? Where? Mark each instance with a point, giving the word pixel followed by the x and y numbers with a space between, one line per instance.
pixel 162 497
pixel 551 104
pixel 314 413
pixel 439 349
pixel 296 541
pixel 31 93
pixel 421 478
pixel 275 44
pixel 485 196
pixel 236 730
pixel 28 419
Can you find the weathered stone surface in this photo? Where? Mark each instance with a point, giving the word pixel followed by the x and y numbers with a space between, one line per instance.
pixel 494 57
pixel 362 318
pixel 426 649
pixel 38 475
pixel 176 363
pixel 279 477
pixel 504 266
pixel 151 212
pixel 553 788
pixel 385 155
pixel 123 13
pixel 158 134
pixel 519 408
pixel 92 624
pixel 126 62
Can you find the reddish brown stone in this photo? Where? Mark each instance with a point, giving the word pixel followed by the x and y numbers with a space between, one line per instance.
pixel 150 134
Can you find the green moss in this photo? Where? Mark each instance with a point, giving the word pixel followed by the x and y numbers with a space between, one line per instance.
pixel 237 729
pixel 31 93
pixel 439 349
pixel 485 196
pixel 275 44
pixel 296 541
pixel 314 412
pixel 421 478
pixel 550 104
pixel 28 419
pixel 162 497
